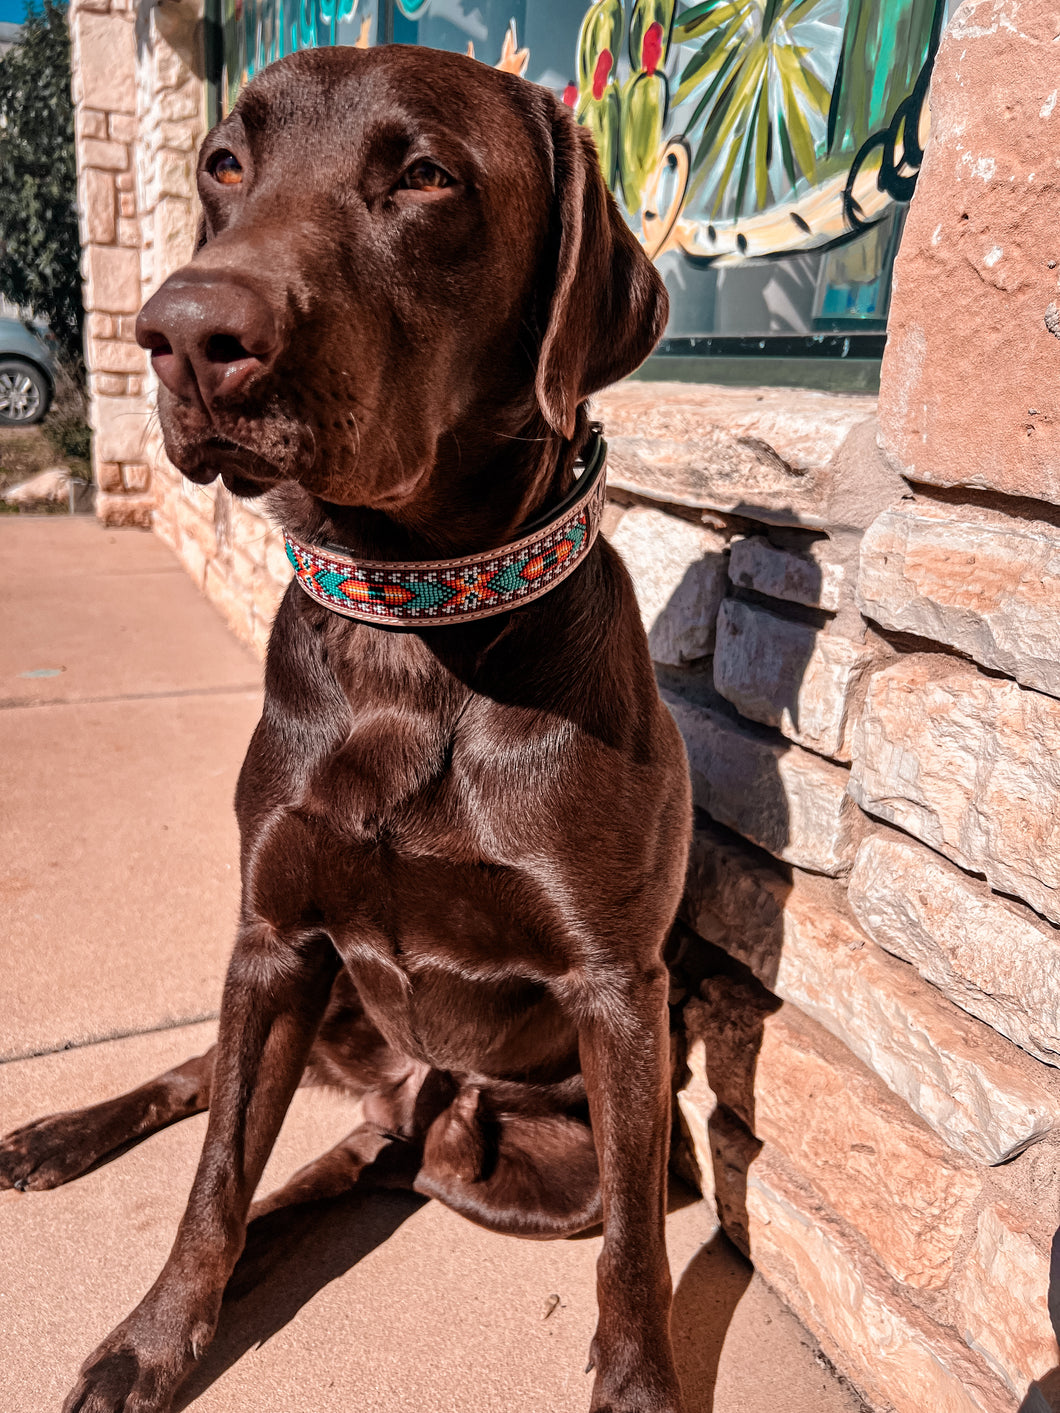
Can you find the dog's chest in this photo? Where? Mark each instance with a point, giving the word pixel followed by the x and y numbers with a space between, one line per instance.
pixel 454 960
pixel 422 761
pixel 419 821
pixel 424 851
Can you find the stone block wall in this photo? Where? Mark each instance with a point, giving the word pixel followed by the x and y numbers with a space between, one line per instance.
pixel 867 965
pixel 140 107
pixel 863 653
pixel 855 616
pixel 868 1013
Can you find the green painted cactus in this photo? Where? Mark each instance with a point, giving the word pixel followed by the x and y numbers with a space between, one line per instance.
pixel 645 97
pixel 626 121
pixel 600 34
pixel 650 28
pixel 598 104
pixel 643 118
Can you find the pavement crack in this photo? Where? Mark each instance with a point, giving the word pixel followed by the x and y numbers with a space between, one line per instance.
pixel 11 703
pixel 68 1045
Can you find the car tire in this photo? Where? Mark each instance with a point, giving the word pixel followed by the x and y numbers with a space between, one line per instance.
pixel 24 393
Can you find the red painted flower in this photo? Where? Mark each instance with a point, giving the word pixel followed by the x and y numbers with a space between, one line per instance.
pixel 651 49
pixel 570 95
pixel 601 72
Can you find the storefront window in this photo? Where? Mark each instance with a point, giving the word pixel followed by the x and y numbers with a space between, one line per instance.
pixel 763 150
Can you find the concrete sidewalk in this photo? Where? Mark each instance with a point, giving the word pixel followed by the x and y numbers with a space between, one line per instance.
pixel 127 706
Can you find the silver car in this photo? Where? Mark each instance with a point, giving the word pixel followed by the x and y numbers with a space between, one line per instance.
pixel 27 372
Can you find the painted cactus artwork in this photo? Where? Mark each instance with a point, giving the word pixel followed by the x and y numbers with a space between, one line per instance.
pixel 739 128
pixel 729 130
pixel 627 118
pixel 257 32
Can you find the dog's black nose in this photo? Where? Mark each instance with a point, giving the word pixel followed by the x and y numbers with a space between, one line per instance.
pixel 208 335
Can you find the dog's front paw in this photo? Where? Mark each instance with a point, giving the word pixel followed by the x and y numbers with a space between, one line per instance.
pixel 113 1381
pixel 637 1398
pixel 633 1400
pixel 43 1154
pixel 635 1381
pixel 645 1399
pixel 139 1367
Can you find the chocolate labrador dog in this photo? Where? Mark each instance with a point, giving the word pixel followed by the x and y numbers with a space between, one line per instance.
pixel 465 813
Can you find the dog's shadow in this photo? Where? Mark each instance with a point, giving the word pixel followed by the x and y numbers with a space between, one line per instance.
pixel 295 1252
pixel 290 1256
pixel 705 1300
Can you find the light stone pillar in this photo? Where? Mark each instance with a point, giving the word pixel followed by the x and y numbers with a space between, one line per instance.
pixel 103 36
pixel 970 376
pixel 139 116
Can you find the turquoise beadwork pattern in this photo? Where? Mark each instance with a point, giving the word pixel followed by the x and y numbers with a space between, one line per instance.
pixel 433 593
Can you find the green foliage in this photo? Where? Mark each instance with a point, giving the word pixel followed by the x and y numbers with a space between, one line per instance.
pixel 66 425
pixel 39 247
pixel 756 90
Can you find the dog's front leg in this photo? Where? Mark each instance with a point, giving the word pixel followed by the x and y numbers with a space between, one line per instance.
pixel 624 1047
pixel 274 996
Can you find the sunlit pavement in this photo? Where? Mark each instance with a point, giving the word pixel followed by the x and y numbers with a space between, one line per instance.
pixel 127 705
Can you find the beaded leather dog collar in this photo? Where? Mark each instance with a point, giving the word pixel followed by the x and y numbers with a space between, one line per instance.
pixel 436 592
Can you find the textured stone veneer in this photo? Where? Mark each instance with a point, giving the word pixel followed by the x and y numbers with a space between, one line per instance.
pixel 107 126
pixel 862 648
pixel 973 358
pixel 140 116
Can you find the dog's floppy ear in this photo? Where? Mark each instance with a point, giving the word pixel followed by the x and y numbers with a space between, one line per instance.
pixel 609 305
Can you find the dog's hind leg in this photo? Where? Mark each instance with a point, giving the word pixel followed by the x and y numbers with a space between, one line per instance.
pixel 52 1150
pixel 530 1175
pixel 366 1158
pixel 383 1151
pixel 522 1174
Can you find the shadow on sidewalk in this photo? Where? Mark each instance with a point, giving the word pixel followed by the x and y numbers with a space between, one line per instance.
pixel 291 1256
pixel 705 1301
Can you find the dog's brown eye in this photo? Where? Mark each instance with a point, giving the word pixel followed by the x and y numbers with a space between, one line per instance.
pixel 224 168
pixel 425 176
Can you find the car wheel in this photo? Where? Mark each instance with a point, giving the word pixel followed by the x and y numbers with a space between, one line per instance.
pixel 24 393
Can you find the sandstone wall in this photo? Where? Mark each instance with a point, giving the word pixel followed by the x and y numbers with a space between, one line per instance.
pixel 140 116
pixel 856 621
pixel 868 964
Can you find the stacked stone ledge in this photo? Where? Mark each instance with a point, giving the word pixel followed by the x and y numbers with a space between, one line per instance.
pixel 874 1019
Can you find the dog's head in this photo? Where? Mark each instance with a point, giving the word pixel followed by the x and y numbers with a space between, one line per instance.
pixel 398 246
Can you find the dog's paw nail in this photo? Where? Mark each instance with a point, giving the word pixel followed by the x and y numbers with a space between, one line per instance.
pixel 590 1367
pixel 20 1185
